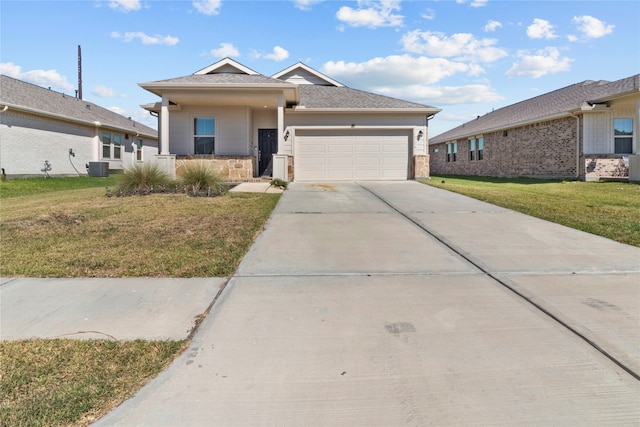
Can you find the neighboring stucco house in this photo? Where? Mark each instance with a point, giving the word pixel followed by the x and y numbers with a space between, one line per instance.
pixel 587 131
pixel 299 124
pixel 39 124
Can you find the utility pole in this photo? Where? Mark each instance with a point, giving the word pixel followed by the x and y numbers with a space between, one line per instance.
pixel 79 72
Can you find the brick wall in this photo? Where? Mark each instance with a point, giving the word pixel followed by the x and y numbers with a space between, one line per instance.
pixel 545 150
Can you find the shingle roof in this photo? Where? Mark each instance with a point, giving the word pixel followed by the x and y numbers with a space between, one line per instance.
pixel 217 79
pixel 22 94
pixel 331 97
pixel 558 102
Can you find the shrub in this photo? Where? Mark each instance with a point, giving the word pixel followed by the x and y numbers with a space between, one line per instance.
pixel 277 182
pixel 199 179
pixel 142 178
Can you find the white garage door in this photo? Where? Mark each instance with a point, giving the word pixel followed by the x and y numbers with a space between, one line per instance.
pixel 351 155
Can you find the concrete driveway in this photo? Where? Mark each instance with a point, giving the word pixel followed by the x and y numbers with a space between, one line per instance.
pixel 386 304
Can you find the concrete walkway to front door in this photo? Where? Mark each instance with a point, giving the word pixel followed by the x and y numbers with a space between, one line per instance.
pixel 387 304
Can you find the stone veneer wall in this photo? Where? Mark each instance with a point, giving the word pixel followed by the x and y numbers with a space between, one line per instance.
pixel 231 168
pixel 420 166
pixel 545 150
pixel 604 166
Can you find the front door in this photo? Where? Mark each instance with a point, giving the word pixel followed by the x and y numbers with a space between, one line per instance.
pixel 267 144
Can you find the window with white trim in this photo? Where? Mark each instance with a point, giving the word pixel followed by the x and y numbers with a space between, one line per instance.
pixel 472 149
pixel 204 135
pixel 623 136
pixel 480 155
pixel 111 145
pixel 138 149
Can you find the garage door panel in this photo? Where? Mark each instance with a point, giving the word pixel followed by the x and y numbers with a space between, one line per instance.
pixel 333 147
pixel 352 155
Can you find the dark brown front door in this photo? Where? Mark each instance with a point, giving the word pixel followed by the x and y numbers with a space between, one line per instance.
pixel 267 144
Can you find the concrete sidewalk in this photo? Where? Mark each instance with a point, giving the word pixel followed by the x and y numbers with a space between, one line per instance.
pixel 122 309
pixel 391 303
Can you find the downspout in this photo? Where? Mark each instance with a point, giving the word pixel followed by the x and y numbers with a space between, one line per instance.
pixel 577 146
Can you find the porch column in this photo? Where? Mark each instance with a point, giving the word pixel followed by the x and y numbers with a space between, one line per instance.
pixel 280 161
pixel 164 126
pixel 280 123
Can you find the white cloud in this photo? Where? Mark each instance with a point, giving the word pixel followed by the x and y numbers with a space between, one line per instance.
pixel 106 92
pixel 305 4
pixel 279 54
pixel 125 5
pixel 591 27
pixel 208 7
pixel 492 25
pixel 146 39
pixel 445 95
pixel 541 29
pixel 463 46
pixel 394 71
pixel 225 50
pixel 45 78
pixel 474 3
pixel 429 14
pixel 372 14
pixel 543 62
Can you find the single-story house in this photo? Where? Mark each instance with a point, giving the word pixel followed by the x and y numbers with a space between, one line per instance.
pixel 40 127
pixel 586 131
pixel 297 124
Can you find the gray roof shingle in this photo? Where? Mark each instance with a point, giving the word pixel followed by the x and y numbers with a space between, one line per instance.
pixel 332 97
pixel 217 79
pixel 558 102
pixel 22 94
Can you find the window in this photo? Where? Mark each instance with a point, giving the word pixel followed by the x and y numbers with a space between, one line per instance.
pixel 138 149
pixel 117 144
pixel 455 151
pixel 106 145
pixel 472 149
pixel 623 136
pixel 111 145
pixel 204 135
pixel 480 148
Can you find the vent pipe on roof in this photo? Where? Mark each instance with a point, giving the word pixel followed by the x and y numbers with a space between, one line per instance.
pixel 79 72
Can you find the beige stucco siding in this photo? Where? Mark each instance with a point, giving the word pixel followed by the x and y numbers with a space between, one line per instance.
pixel 233 126
pixel 28 140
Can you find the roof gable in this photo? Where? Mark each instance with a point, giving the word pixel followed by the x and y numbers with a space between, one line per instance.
pixel 302 74
pixel 227 66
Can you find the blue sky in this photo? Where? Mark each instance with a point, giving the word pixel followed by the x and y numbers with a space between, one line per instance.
pixel 466 57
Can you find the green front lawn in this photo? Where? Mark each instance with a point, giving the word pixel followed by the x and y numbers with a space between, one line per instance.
pixel 608 209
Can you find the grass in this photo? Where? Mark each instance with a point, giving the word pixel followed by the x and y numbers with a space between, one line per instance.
pixel 67 227
pixel 73 382
pixel 608 209
pixel 32 186
pixel 82 233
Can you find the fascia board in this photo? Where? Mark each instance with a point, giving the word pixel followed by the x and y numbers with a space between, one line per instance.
pixel 430 111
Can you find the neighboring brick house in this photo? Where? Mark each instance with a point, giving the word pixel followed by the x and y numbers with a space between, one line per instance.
pixel 39 124
pixel 585 131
